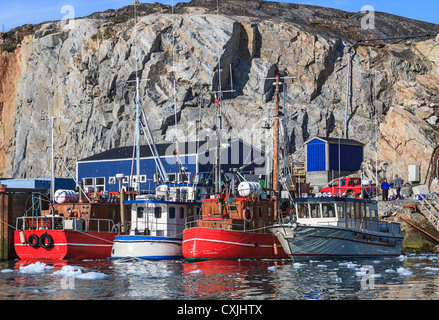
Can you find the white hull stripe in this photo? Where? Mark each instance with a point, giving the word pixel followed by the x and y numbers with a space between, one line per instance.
pixel 73 244
pixel 229 242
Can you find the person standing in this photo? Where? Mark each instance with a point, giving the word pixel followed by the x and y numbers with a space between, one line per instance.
pixel 397 184
pixel 385 188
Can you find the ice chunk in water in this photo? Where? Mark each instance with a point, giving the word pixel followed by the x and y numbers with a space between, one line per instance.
pixel 37 267
pixel 404 272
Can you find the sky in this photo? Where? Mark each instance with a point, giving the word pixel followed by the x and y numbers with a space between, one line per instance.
pixel 15 13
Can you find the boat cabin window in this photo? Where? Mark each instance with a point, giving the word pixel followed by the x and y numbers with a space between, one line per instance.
pixel 349 210
pixel 157 212
pixel 315 210
pixel 340 210
pixel 171 213
pixel 335 183
pixel 356 214
pixel 374 213
pixel 302 210
pixel 260 212
pixel 140 211
pixel 328 210
pixel 181 213
pixel 365 212
pixel 343 182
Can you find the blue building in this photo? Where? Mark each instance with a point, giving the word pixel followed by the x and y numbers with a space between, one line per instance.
pixel 330 158
pixel 99 171
pixel 38 183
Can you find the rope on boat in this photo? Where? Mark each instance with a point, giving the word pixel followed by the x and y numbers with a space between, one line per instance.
pixel 11 226
pixel 90 235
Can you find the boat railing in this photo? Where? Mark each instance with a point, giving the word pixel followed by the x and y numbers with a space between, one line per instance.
pixel 256 226
pixel 155 228
pixel 368 192
pixel 57 222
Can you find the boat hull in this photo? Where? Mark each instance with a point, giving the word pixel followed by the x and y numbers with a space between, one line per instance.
pixel 147 247
pixel 209 243
pixel 67 244
pixel 305 242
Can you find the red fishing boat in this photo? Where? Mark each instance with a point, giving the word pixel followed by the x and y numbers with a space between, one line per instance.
pixel 74 230
pixel 233 228
pixel 236 225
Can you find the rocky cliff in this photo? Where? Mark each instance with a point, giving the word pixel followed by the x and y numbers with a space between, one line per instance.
pixel 81 73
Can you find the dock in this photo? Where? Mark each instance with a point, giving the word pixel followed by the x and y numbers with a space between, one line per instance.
pixel 12 205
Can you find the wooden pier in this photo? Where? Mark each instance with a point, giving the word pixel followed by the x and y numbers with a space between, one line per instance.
pixel 12 205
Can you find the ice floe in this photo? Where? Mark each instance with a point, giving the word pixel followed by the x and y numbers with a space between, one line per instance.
pixel 297 265
pixel 196 271
pixel 66 271
pixel 33 268
pixel 404 271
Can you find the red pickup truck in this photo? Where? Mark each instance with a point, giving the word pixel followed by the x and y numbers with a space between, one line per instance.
pixel 350 187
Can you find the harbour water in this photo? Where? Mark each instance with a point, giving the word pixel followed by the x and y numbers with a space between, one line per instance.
pixel 409 277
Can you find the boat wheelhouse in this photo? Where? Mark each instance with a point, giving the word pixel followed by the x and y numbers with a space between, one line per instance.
pixel 157 223
pixel 337 227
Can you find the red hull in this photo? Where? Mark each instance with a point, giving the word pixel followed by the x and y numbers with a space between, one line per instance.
pixel 207 243
pixel 67 244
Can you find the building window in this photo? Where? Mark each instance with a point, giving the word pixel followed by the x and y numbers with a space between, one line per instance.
pixel 100 184
pixel 171 177
pixel 185 177
pixel 112 180
pixel 88 184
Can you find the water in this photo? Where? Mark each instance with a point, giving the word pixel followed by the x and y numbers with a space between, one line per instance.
pixel 410 277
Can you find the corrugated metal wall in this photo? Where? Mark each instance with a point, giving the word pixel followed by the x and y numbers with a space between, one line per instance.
pixel 315 156
pixel 107 169
pixel 350 157
pixel 39 183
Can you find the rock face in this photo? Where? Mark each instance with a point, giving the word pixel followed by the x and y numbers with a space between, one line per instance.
pixel 82 72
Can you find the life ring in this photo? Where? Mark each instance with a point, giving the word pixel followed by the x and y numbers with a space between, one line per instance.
pixel 33 240
pixel 43 243
pixel 74 213
pixel 247 213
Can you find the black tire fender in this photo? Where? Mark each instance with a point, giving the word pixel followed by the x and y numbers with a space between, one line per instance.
pixel 46 241
pixel 33 240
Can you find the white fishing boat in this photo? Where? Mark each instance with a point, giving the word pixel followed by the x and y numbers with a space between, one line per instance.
pixel 323 227
pixel 157 224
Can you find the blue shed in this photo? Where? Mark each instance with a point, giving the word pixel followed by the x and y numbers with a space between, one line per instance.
pixel 333 154
pixel 99 171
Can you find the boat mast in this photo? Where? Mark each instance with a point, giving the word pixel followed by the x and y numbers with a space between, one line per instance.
pixel 276 142
pixel 276 150
pixel 137 185
pixel 52 160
